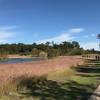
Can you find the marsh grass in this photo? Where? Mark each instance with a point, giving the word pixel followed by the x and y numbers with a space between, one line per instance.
pixel 67 84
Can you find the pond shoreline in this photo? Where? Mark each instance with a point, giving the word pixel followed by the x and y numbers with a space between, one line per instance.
pixel 17 56
pixel 20 59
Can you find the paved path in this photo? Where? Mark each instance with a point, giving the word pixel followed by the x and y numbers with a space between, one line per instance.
pixel 96 94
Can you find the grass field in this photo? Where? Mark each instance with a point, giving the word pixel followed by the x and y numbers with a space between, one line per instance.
pixel 73 83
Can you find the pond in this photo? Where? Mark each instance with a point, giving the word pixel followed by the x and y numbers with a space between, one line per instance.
pixel 19 60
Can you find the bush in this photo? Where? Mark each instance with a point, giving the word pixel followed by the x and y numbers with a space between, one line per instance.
pixel 35 52
pixel 75 51
pixel 43 54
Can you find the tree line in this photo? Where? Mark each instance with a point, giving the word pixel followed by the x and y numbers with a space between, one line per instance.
pixel 49 49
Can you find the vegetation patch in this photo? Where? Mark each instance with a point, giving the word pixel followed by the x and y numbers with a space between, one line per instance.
pixel 68 84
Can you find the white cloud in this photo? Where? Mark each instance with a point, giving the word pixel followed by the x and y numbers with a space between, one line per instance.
pixel 90 45
pixel 5 36
pixel 6 33
pixel 66 36
pixel 76 30
pixel 58 39
pixel 5 28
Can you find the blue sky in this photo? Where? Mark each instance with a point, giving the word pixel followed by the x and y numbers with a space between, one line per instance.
pixel 28 21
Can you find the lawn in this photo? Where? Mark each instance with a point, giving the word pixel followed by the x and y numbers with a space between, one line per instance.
pixel 75 83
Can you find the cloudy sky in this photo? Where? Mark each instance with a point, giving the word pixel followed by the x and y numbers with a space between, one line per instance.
pixel 28 21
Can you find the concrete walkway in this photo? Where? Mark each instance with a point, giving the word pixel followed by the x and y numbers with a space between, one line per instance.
pixel 96 94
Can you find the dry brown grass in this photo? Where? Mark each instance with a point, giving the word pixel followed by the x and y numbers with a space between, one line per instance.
pixel 38 68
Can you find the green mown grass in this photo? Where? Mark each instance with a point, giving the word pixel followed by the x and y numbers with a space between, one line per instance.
pixel 68 84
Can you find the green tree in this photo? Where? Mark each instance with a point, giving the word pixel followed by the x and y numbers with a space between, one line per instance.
pixel 75 44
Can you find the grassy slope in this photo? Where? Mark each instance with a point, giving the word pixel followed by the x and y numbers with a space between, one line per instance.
pixel 68 84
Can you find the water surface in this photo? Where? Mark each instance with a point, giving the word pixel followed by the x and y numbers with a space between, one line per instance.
pixel 19 60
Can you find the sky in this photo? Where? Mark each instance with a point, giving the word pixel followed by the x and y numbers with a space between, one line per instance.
pixel 29 21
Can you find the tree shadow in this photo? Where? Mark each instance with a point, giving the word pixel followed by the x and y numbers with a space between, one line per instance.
pixel 89 75
pixel 46 89
pixel 88 69
pixel 94 61
pixel 92 66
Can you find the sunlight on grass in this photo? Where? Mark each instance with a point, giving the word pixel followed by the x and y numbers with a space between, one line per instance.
pixel 83 80
pixel 61 75
pixel 69 74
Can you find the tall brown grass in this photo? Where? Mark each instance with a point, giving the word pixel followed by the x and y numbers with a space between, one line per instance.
pixel 18 84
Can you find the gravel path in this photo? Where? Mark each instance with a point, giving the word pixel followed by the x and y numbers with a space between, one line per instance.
pixel 96 94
